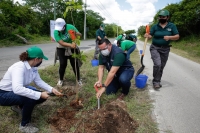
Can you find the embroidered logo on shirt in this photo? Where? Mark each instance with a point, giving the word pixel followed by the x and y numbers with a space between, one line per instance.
pixel 169 29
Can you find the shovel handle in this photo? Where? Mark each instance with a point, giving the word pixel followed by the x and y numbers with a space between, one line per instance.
pixel 146 39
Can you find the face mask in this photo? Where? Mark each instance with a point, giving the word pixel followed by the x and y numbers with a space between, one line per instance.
pixel 101 29
pixel 37 65
pixel 162 21
pixel 105 52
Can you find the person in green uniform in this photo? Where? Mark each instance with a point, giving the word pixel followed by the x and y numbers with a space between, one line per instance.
pixel 162 33
pixel 121 37
pixel 132 38
pixel 120 70
pixel 127 46
pixel 64 34
pixel 100 34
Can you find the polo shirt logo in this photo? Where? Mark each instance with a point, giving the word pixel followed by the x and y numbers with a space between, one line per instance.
pixel 169 29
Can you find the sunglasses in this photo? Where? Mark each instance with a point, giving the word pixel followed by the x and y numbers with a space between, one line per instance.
pixel 162 16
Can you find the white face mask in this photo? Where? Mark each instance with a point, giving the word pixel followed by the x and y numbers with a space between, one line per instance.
pixel 101 29
pixel 105 52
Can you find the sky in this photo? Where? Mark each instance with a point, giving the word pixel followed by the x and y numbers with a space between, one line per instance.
pixel 129 14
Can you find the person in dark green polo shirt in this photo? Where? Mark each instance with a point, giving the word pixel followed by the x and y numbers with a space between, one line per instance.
pixel 162 32
pixel 120 70
pixel 132 38
pixel 100 34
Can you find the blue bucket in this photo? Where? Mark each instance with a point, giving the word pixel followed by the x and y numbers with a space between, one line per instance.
pixel 141 51
pixel 95 63
pixel 141 81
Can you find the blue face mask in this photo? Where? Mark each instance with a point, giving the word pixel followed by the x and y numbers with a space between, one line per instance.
pixel 37 65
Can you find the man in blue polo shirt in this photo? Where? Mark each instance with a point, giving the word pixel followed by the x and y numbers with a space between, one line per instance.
pixel 162 33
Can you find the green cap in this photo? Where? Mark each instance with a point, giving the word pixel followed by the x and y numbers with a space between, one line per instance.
pixel 164 12
pixel 103 26
pixel 35 52
pixel 119 37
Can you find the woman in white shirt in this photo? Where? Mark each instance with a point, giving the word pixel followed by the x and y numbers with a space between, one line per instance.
pixel 15 89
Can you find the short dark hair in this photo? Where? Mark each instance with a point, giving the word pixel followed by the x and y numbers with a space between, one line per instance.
pixel 104 40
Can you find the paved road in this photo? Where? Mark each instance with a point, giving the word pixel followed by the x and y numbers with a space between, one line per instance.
pixel 10 55
pixel 177 106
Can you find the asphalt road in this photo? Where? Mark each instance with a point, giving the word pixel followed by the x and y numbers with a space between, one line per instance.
pixel 10 55
pixel 177 103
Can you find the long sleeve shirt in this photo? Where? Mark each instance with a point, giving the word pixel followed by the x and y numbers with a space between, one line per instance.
pixel 20 75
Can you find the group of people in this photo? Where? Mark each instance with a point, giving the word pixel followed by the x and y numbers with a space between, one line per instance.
pixel 15 89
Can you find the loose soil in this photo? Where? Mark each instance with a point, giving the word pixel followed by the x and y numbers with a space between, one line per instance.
pixel 111 118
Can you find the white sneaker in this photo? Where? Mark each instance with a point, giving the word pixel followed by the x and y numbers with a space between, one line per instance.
pixel 80 83
pixel 28 128
pixel 60 83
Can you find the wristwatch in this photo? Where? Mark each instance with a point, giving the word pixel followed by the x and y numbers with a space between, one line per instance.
pixel 104 86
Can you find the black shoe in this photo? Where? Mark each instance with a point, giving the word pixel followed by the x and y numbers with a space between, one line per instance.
pixel 157 86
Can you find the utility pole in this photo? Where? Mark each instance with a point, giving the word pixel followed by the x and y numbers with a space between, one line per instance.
pixel 54 4
pixel 85 21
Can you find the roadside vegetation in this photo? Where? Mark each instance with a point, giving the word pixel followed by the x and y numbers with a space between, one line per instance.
pixel 138 102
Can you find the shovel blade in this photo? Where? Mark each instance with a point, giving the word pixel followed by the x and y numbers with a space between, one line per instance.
pixel 140 70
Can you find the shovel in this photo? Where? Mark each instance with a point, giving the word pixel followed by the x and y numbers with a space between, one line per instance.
pixel 98 101
pixel 144 48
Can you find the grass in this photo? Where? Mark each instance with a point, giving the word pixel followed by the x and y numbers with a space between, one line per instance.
pixel 138 101
pixel 36 40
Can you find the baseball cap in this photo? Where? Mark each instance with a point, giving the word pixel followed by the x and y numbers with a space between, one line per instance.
pixel 164 12
pixel 35 52
pixel 59 23
pixel 102 26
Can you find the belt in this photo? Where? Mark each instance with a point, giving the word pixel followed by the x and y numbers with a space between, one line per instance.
pixel 162 46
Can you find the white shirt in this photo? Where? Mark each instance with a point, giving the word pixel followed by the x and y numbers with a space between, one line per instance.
pixel 20 75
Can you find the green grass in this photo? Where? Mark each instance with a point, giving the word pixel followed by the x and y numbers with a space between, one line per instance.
pixel 138 101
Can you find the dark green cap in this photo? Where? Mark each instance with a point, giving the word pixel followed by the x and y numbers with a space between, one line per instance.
pixel 164 12
pixel 35 52
pixel 103 26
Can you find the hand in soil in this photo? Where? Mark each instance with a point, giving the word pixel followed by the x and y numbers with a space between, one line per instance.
pixel 56 92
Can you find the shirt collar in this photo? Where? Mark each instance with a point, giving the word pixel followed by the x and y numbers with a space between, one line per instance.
pixel 27 65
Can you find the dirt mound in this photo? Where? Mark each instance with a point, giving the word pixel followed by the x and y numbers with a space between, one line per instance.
pixel 112 118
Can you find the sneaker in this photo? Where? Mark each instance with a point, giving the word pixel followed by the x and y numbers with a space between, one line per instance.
pixel 80 83
pixel 60 83
pixel 16 109
pixel 28 128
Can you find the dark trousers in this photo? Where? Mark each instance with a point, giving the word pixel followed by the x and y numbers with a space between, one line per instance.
pixel 63 63
pixel 96 52
pixel 122 81
pixel 8 98
pixel 159 56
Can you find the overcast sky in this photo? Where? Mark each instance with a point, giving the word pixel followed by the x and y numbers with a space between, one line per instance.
pixel 129 14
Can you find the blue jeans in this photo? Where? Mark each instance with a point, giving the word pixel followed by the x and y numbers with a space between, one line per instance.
pixel 8 98
pixel 130 50
pixel 121 81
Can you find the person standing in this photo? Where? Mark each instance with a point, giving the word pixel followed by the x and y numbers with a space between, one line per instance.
pixel 64 35
pixel 162 32
pixel 100 34
pixel 120 70
pixel 16 92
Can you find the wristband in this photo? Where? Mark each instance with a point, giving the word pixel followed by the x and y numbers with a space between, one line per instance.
pixel 104 86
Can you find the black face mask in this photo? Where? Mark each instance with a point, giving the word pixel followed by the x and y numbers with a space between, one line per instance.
pixel 37 65
pixel 162 21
